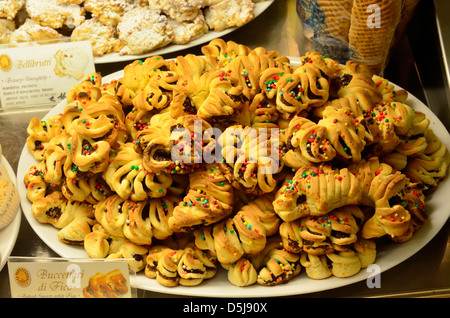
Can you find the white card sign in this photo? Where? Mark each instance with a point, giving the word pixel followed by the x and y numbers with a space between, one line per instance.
pixel 36 75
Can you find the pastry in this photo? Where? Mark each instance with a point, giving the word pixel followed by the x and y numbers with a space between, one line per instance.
pixel 41 133
pixel 316 266
pixel 315 191
pixel 7 28
pixel 187 31
pixel 135 255
pixel 277 266
pixel 9 9
pixel 219 53
pixel 109 12
pixel 96 243
pixel 103 37
pixel 141 30
pixel 229 13
pixel 167 166
pixel 54 14
pixel 126 176
pixel 344 264
pixel 366 251
pixel 251 159
pixel 179 10
pixel 31 31
pixel 209 199
pixel 212 95
pixel 242 273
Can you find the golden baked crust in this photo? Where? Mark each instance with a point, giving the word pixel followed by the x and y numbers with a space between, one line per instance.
pixel 166 166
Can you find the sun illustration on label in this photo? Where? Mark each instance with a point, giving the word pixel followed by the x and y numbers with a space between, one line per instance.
pixel 22 277
pixel 5 62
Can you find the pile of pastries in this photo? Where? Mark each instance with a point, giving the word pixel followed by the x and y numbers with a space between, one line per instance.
pixel 235 160
pixel 120 26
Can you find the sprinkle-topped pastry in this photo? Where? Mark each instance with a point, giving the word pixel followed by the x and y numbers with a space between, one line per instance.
pixel 235 159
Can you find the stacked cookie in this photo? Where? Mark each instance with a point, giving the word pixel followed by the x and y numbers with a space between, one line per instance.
pixel 236 159
pixel 121 26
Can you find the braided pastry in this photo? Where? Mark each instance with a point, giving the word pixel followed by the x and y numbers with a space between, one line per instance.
pixel 158 92
pixel 99 243
pixel 40 133
pixel 329 68
pixel 243 234
pixel 276 266
pixel 250 158
pixel 336 136
pixel 103 120
pixel 316 266
pixel 86 92
pixel 388 91
pixel 209 199
pixel 242 273
pixel 125 175
pixel 315 191
pixel 135 255
pixel 35 183
pixel 187 267
pixel 344 264
pixel 147 219
pixel 248 68
pixel 431 166
pixel 73 219
pixel 213 96
pixel 336 230
pixel 261 112
pixel 301 90
pixel 219 53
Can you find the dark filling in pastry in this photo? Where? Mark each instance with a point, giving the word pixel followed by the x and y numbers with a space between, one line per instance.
pixel 37 145
pixel 346 148
pixel 301 199
pixel 161 155
pixel 87 148
pixel 54 213
pixel 188 107
pixel 395 200
pixel 339 234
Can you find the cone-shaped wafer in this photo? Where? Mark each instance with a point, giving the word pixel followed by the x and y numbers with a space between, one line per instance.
pixel 372 29
pixel 337 15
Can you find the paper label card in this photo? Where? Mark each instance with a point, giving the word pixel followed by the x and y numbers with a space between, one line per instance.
pixel 69 278
pixel 42 74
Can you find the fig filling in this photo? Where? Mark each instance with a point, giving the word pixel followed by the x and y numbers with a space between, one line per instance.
pixel 37 145
pixel 188 107
pixel 339 234
pixel 54 212
pixel 301 199
pixel 87 148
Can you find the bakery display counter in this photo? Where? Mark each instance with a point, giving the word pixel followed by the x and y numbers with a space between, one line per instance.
pixel 424 274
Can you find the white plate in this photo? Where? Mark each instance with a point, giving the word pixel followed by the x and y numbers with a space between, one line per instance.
pixel 388 256
pixel 260 7
pixel 8 235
